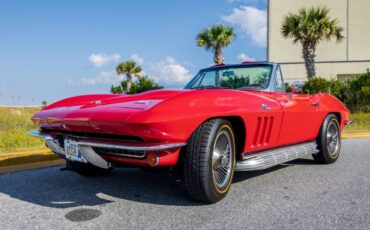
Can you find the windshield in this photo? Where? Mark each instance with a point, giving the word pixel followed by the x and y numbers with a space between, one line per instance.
pixel 240 77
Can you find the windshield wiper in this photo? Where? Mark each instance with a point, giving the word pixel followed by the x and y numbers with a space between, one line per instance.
pixel 253 88
pixel 210 87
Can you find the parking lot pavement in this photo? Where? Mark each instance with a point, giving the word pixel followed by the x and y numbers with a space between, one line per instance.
pixel 297 195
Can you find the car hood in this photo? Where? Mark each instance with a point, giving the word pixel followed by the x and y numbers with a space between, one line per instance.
pixel 81 112
pixel 114 113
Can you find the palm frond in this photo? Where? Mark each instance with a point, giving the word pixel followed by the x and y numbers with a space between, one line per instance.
pixel 128 68
pixel 311 25
pixel 215 36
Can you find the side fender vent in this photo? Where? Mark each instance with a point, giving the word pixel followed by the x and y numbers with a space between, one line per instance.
pixel 263 131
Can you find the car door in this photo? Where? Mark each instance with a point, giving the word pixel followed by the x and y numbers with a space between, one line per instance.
pixel 301 117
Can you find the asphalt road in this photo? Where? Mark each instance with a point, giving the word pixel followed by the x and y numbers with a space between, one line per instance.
pixel 298 195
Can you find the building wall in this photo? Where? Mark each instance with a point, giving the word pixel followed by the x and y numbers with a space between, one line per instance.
pixel 351 56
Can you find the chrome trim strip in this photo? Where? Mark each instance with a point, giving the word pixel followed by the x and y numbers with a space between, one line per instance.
pixel 124 155
pixel 270 158
pixel 127 147
pixel 37 133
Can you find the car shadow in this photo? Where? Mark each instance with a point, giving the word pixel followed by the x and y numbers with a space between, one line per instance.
pixel 243 176
pixel 302 161
pixel 54 188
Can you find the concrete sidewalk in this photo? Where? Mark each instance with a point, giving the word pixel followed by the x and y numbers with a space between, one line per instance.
pixel 14 161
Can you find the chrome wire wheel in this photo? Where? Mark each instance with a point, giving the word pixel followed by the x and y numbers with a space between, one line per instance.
pixel 222 159
pixel 332 138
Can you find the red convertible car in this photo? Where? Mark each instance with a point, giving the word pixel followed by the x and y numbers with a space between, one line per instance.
pixel 227 118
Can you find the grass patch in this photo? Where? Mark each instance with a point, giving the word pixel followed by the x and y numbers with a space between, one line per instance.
pixel 361 122
pixel 15 123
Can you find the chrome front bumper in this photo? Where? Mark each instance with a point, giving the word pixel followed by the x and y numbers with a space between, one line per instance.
pixel 87 148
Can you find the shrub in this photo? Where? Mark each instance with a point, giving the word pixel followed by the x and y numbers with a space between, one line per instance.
pixel 319 84
pixel 142 84
pixel 354 92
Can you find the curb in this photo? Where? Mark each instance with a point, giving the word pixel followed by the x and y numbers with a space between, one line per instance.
pixel 347 135
pixel 8 155
pixel 15 161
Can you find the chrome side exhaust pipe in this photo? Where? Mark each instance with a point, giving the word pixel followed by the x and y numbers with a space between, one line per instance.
pixel 270 158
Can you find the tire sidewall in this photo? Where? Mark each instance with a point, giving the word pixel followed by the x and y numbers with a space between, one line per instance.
pixel 220 126
pixel 323 139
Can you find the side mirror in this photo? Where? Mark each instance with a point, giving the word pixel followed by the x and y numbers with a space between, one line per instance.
pixel 294 90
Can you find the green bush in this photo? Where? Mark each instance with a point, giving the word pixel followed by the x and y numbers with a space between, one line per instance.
pixel 319 84
pixel 142 84
pixel 354 92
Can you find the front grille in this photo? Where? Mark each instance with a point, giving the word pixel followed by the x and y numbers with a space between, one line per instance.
pixel 119 152
pixel 97 136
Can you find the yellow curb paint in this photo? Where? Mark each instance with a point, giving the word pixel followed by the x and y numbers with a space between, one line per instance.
pixel 356 135
pixel 10 155
pixel 26 152
pixel 25 155
pixel 32 165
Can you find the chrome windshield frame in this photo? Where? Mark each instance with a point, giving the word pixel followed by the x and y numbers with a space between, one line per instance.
pixel 270 87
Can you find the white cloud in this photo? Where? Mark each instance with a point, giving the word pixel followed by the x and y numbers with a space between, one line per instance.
pixel 139 60
pixel 70 81
pixel 252 21
pixel 244 57
pixel 100 60
pixel 169 73
pixel 107 78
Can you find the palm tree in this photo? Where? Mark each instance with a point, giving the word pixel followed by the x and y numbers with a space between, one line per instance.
pixel 310 27
pixel 129 68
pixel 215 38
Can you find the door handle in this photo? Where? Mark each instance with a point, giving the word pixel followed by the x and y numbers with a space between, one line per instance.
pixel 315 104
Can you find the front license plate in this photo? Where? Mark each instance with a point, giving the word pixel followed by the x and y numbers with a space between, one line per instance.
pixel 72 152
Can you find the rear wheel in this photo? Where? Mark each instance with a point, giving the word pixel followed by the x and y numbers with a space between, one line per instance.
pixel 210 161
pixel 328 141
pixel 87 169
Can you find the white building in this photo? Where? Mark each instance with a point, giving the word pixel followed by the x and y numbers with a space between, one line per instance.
pixel 333 60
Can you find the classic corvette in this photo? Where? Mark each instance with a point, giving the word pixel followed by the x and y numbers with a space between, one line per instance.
pixel 227 118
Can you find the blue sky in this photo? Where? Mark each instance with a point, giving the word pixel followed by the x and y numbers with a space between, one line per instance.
pixel 50 50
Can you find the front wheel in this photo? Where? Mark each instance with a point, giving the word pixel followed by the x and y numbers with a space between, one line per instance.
pixel 328 141
pixel 210 161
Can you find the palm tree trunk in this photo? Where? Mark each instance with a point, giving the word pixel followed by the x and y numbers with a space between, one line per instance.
pixel 218 58
pixel 129 79
pixel 308 52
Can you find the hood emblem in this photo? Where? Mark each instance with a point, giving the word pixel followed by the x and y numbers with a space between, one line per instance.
pixel 143 102
pixel 97 102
